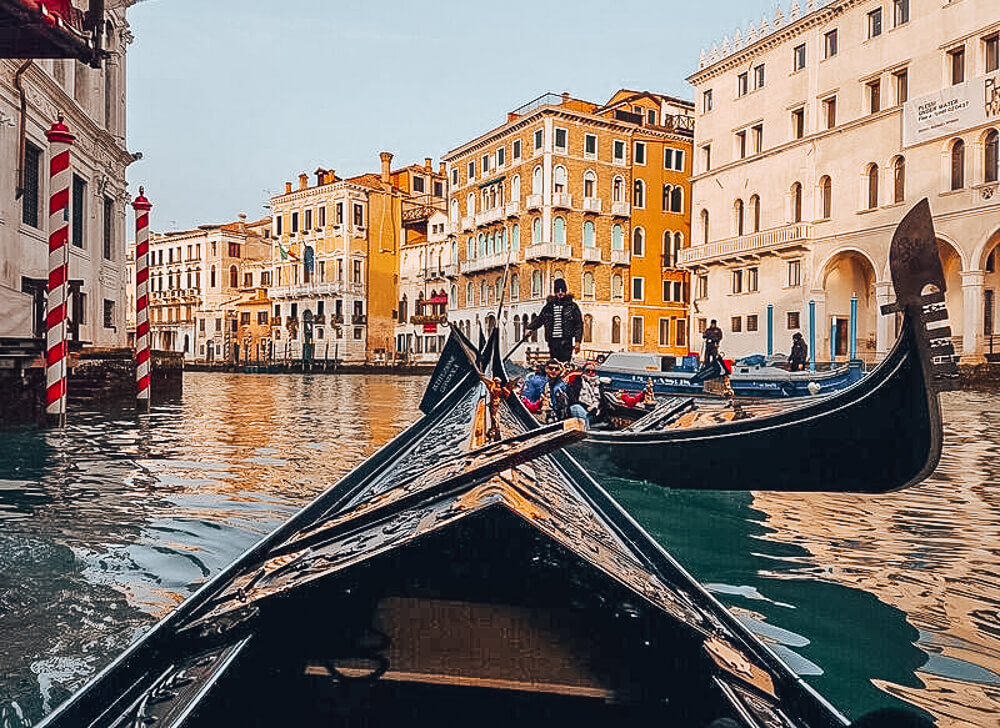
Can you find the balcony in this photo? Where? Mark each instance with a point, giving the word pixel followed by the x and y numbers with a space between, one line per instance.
pixel 789 237
pixel 548 250
pixel 337 318
pixel 426 318
pixel 450 270
pixel 485 218
pixel 619 257
pixel 319 319
pixel 307 290
pixel 512 209
pixel 591 204
pixel 533 202
pixel 454 228
pixel 591 255
pixel 276 321
pixel 620 209
pixel 497 260
pixel 359 319
pixel 562 199
pixel 468 222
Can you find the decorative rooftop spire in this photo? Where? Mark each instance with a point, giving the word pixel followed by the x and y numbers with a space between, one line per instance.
pixel 737 39
pixel 779 18
pixel 796 11
pixel 751 34
pixel 702 59
pixel 765 27
pixel 726 47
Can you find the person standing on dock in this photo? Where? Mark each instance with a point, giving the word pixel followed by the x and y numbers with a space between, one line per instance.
pixel 563 323
pixel 799 356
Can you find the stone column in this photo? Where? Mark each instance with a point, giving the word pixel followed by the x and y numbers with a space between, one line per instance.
pixel 884 329
pixel 972 317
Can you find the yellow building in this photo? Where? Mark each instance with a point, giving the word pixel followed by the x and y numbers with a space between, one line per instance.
pixel 552 193
pixel 335 258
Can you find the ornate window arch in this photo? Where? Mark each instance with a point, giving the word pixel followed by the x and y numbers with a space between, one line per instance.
pixel 589 234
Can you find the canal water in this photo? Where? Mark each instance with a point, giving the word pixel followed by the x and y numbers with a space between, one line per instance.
pixel 107 526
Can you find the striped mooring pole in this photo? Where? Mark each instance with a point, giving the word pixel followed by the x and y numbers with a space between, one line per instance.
pixel 142 207
pixel 60 141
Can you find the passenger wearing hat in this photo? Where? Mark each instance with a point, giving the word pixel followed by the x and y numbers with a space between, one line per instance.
pixel 551 383
pixel 563 323
pixel 800 354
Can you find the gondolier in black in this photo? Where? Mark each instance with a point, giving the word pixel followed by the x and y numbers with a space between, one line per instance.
pixel 563 323
pixel 799 356
pixel 713 337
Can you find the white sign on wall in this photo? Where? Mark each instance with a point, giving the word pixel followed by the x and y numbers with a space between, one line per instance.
pixel 951 110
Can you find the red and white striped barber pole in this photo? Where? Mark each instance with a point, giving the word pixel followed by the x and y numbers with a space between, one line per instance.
pixel 142 207
pixel 60 174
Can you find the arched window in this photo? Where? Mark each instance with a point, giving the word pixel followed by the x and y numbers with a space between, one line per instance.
pixel 470 299
pixel 638 240
pixel 517 327
pixel 617 238
pixel 536 230
pixel 498 289
pixel 515 188
pixel 515 236
pixel 588 329
pixel 754 213
pixel 618 190
pixel 559 180
pixel 470 248
pixel 738 216
pixel 871 173
pixel 666 197
pixel 504 242
pixel 454 250
pixel 453 300
pixel 470 204
pixel 559 230
pixel 826 197
pixel 588 285
pixel 536 181
pixel 589 234
pixel 616 330
pixel 483 293
pixel 589 183
pixel 639 194
pixel 991 152
pixel 454 210
pixel 677 199
pixel 796 202
pixel 515 288
pixel 617 287
pixel 704 226
pixel 958 165
pixel 898 179
pixel 211 279
pixel 481 248
pixel 666 260
pixel 536 283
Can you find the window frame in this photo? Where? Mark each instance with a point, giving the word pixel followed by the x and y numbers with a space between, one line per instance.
pixel 874 24
pixel 830 43
pixel 798 58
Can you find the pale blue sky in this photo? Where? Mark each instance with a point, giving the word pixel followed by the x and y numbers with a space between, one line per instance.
pixel 228 100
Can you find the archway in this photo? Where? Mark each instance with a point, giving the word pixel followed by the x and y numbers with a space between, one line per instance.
pixel 990 265
pixel 847 274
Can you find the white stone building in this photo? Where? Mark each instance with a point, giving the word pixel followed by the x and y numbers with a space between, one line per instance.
pixel 32 95
pixel 428 270
pixel 815 133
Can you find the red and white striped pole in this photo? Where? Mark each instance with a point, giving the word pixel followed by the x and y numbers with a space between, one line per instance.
pixel 60 140
pixel 142 207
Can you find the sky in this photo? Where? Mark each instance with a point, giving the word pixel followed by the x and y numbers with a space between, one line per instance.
pixel 229 100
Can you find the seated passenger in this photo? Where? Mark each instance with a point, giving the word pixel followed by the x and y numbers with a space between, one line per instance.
pixel 546 393
pixel 585 394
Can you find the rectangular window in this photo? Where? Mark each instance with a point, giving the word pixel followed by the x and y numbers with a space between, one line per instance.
pixel 794 273
pixel 109 230
pixel 309 220
pixel 418 184
pixel 758 76
pixel 900 12
pixel 799 57
pixel 501 156
pixel 470 171
pixel 619 150
pixel 875 23
pixel 590 146
pixel 650 116
pixel 706 101
pixel 901 81
pixel 637 289
pixel 664 332
pixel 741 144
pixel 109 314
pixel 752 279
pixel 680 332
pixel 244 318
pixel 454 178
pixel 515 149
pixel 798 123
pixel 357 272
pixel 830 111
pixel 706 157
pixel 295 222
pixel 637 329
pixel 439 187
pixel 743 84
pixel 262 318
pixel 79 214
pixel 701 289
pixel 640 153
pixel 957 61
pixel 830 44
pixel 736 324
pixel 737 281
pixel 679 160
pixel 539 139
pixel 359 215
pixel 666 291
pixel 339 214
pixel 792 319
pixel 751 322
pixel 485 164
pixel 757 136
pixel 874 96
pixel 322 216
pixel 679 292
pixel 561 140
pixel 991 52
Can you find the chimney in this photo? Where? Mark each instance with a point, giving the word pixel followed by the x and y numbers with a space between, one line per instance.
pixel 565 97
pixel 320 176
pixel 303 181
pixel 441 169
pixel 427 163
pixel 386 158
pixel 288 187
pixel 331 176
pixel 243 222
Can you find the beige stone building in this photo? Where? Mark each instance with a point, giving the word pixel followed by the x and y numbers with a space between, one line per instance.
pixel 816 131
pixel 428 274
pixel 555 192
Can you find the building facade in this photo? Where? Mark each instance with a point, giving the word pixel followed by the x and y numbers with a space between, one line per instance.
pixel 335 260
pixel 571 189
pixel 92 101
pixel 428 275
pixel 815 133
